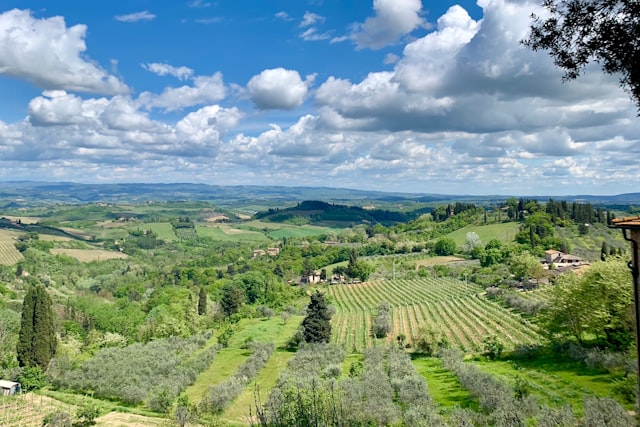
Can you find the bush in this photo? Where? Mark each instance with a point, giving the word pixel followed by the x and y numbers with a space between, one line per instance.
pixel 87 414
pixel 58 419
pixel 32 378
pixel 603 411
pixel 493 347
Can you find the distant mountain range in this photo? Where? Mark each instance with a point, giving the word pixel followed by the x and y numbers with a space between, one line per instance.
pixel 30 193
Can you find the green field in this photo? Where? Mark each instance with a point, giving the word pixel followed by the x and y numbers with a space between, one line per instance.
pixel 555 382
pixel 229 359
pixel 444 386
pixel 278 231
pixel 505 232
pixel 162 229
pixel 227 233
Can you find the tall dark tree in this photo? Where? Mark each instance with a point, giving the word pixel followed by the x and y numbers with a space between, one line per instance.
pixel 37 340
pixel 316 326
pixel 202 302
pixel 604 251
pixel 577 32
pixel 232 299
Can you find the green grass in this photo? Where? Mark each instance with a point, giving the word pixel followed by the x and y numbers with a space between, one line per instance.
pixel 228 234
pixel 226 362
pixel 238 411
pixel 162 229
pixel 265 330
pixel 278 231
pixel 505 232
pixel 229 359
pixel 443 384
pixel 555 382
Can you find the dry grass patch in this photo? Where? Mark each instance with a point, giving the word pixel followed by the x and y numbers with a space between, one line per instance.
pixel 118 419
pixel 23 219
pixel 89 255
pixel 441 260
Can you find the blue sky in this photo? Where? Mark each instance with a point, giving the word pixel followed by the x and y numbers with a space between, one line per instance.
pixel 395 95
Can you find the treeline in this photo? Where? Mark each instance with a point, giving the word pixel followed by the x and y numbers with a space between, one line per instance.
pixel 560 212
pixel 314 210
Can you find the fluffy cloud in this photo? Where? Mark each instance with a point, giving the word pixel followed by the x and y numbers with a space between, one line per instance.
pixel 393 19
pixel 278 89
pixel 51 56
pixel 205 90
pixel 465 103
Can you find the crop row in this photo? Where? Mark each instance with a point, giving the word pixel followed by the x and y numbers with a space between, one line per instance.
pixel 397 292
pixel 464 317
pixel 9 255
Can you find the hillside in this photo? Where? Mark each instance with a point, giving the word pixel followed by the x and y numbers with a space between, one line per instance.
pixel 171 309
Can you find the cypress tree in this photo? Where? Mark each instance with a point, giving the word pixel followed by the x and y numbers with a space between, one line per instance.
pixel 316 326
pixel 202 302
pixel 37 340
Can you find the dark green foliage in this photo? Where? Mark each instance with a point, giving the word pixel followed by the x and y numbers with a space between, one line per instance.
pixel 445 246
pixel 232 299
pixel 596 304
pixel 32 378
pixel 202 302
pixel 492 347
pixel 37 340
pixel 87 414
pixel 578 32
pixel 317 324
pixel 604 251
pixel 356 268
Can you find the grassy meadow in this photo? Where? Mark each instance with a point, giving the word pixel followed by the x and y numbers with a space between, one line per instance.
pixel 505 232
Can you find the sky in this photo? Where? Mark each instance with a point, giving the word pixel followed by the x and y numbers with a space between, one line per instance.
pixel 429 96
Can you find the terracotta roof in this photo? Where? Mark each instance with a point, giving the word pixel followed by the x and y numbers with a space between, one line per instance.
pixel 627 222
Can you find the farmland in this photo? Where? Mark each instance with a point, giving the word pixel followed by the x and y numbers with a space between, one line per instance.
pixel 464 314
pixel 9 255
pixel 89 255
pixel 121 291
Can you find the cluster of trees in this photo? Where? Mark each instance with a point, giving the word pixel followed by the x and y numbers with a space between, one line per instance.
pixel 153 373
pixel 383 389
pixel 595 305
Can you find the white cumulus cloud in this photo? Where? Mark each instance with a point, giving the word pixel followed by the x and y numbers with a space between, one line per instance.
pixel 51 55
pixel 278 89
pixel 205 90
pixel 392 20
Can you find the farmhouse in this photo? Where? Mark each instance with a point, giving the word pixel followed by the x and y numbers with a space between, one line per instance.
pixel 561 260
pixel 313 277
pixel 9 387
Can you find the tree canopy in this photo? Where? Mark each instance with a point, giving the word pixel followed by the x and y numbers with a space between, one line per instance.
pixel 316 326
pixel 577 32
pixel 37 340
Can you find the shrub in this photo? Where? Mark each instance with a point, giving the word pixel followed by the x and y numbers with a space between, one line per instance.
pixel 87 414
pixel 58 419
pixel 493 347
